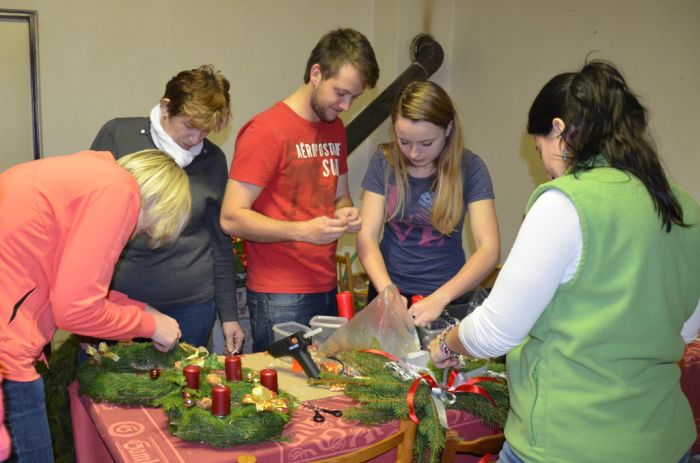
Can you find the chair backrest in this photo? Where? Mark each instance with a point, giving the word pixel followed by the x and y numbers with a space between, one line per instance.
pixel 343 267
pixel 484 445
pixel 402 440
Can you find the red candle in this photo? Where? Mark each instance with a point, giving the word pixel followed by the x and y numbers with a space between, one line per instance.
pixel 344 302
pixel 234 371
pixel 268 378
pixel 191 373
pixel 220 400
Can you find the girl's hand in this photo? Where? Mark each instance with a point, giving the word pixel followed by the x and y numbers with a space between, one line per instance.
pixel 427 310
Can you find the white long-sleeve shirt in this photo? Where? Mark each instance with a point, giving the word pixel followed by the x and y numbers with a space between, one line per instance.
pixel 546 254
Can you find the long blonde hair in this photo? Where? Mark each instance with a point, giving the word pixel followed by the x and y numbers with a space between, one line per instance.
pixel 165 194
pixel 427 101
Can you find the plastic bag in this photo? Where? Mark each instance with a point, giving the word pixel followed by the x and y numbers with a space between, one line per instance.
pixel 463 306
pixel 384 320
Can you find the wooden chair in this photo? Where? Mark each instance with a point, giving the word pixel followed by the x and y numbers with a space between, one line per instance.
pixel 453 445
pixel 356 283
pixel 402 440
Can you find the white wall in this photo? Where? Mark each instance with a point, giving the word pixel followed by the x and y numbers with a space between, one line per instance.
pixel 108 58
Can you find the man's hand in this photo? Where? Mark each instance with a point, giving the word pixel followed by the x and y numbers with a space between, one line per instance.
pixel 233 337
pixel 323 230
pixel 351 217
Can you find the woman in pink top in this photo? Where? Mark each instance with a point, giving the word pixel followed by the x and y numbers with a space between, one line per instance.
pixel 63 223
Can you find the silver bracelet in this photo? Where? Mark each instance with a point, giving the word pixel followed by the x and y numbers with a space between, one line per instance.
pixel 444 348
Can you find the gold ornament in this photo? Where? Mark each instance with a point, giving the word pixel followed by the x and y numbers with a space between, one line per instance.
pixel 204 403
pixel 197 354
pixel 188 402
pixel 251 377
pixel 266 400
pixel 331 366
pixel 101 352
pixel 213 379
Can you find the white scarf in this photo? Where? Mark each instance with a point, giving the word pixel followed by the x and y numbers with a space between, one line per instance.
pixel 165 142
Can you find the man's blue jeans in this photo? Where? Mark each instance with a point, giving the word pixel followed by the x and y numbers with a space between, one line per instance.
pixel 25 410
pixel 268 309
pixel 196 322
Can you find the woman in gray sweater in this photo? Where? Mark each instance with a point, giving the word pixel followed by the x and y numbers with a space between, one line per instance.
pixel 195 277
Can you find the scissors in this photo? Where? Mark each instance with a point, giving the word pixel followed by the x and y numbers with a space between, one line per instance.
pixel 317 412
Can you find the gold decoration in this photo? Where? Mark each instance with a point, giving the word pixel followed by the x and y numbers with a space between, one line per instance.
pixel 188 402
pixel 102 351
pixel 204 403
pixel 337 387
pixel 213 379
pixel 331 366
pixel 252 377
pixel 266 400
pixel 197 355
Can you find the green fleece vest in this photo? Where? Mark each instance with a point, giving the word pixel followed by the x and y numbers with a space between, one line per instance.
pixel 597 378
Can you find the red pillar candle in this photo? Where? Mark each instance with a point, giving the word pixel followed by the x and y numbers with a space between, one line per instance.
pixel 234 372
pixel 344 301
pixel 191 373
pixel 268 378
pixel 220 400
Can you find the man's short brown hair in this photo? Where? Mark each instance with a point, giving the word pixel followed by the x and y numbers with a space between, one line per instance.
pixel 344 46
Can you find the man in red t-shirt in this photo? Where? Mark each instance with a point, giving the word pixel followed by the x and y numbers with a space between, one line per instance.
pixel 287 193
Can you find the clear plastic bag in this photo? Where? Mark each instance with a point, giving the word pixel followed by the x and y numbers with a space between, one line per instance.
pixel 463 306
pixel 384 320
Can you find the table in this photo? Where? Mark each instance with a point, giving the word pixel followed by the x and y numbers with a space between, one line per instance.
pixel 113 433
pixel 135 434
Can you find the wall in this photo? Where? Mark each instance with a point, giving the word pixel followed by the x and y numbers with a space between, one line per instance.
pixel 15 93
pixel 111 58
pixel 503 52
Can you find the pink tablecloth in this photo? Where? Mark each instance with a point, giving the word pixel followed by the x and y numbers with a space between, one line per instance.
pixel 104 433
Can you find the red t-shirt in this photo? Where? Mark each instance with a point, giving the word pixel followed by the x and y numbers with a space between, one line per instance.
pixel 297 163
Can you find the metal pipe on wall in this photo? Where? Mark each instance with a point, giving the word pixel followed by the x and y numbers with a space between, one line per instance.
pixel 427 56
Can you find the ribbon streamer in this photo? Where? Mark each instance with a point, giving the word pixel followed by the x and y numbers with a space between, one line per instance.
pixel 439 394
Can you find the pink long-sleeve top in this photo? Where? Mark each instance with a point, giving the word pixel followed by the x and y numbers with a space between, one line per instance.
pixel 63 223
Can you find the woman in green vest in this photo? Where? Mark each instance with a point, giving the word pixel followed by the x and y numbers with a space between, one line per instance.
pixel 594 336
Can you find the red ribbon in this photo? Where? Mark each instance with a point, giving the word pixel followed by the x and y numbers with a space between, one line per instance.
pixel 470 387
pixel 382 353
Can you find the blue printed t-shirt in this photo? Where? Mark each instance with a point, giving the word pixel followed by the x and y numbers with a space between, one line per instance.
pixel 420 259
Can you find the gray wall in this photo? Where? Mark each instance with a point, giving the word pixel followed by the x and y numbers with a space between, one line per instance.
pixel 105 58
